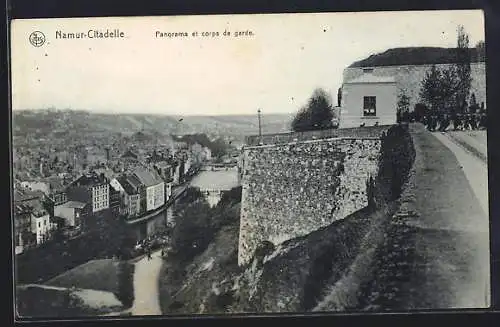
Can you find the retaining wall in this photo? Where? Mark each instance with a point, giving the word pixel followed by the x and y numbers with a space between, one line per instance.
pixel 292 189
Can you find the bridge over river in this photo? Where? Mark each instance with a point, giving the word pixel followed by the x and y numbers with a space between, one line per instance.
pixel 212 183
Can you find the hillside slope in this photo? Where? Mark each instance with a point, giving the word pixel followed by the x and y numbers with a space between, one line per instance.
pixel 319 271
pixel 48 121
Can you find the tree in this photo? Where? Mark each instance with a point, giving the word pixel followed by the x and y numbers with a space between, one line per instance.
pixel 447 90
pixel 317 114
pixel 193 230
pixel 450 86
pixel 463 70
pixel 403 105
pixel 481 51
pixel 439 89
pixel 430 92
pixel 339 97
pixel 473 106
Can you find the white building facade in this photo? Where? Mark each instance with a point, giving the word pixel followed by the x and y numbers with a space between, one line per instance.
pixel 168 191
pixel 155 196
pixel 368 100
pixel 41 226
pixel 100 197
pixel 114 183
pixel 207 153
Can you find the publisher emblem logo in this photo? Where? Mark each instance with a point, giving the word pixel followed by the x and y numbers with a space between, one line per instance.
pixel 37 39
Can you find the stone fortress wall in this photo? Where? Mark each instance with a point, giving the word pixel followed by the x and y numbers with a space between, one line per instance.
pixel 410 77
pixel 291 189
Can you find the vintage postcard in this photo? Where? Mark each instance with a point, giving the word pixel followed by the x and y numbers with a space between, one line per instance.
pixel 247 164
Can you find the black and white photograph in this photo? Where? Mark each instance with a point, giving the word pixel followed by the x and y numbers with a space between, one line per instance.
pixel 249 164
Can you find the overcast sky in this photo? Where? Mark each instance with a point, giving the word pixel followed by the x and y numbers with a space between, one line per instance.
pixel 277 69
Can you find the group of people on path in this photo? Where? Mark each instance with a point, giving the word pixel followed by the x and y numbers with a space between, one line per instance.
pixel 460 122
pixel 153 242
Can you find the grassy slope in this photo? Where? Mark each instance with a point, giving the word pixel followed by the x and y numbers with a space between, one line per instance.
pixel 96 274
pixel 55 303
pixel 103 275
pixel 187 289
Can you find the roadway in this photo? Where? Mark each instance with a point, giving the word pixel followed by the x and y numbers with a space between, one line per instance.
pixel 443 249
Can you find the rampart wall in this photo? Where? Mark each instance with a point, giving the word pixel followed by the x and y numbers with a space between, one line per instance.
pixel 292 189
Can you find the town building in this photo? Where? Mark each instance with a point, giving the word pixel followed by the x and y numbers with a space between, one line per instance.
pixel 129 160
pixel 114 201
pixel 41 225
pixel 165 170
pixel 58 197
pixel 22 227
pixel 154 186
pixel 369 100
pixel 197 154
pixel 36 185
pixel 73 212
pixel 207 153
pixel 187 164
pixel 92 189
pixel 409 66
pixel 130 197
pixel 96 156
pixel 176 178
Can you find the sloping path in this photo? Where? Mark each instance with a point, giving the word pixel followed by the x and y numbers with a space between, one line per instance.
pixel 438 257
pixel 146 295
pixel 452 239
pixel 475 169
pixel 473 140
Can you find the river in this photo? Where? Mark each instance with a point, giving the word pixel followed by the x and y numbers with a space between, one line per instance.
pixel 211 182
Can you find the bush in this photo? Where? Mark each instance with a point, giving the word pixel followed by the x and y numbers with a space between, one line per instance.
pixel 106 239
pixel 193 231
pixel 125 284
pixel 397 156
pixel 39 302
pixel 316 115
pixel 231 196
pixel 197 223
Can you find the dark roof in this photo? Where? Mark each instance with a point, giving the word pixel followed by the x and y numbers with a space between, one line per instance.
pixel 56 183
pixel 147 177
pixel 134 181
pixel 415 56
pixel 74 204
pixel 21 194
pixel 129 189
pixel 21 207
pixel 36 205
pixel 89 179
pixel 129 154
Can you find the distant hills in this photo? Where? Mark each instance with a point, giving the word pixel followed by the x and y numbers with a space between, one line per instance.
pixel 417 56
pixel 68 121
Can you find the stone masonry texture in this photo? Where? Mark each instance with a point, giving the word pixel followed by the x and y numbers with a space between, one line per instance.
pixel 292 189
